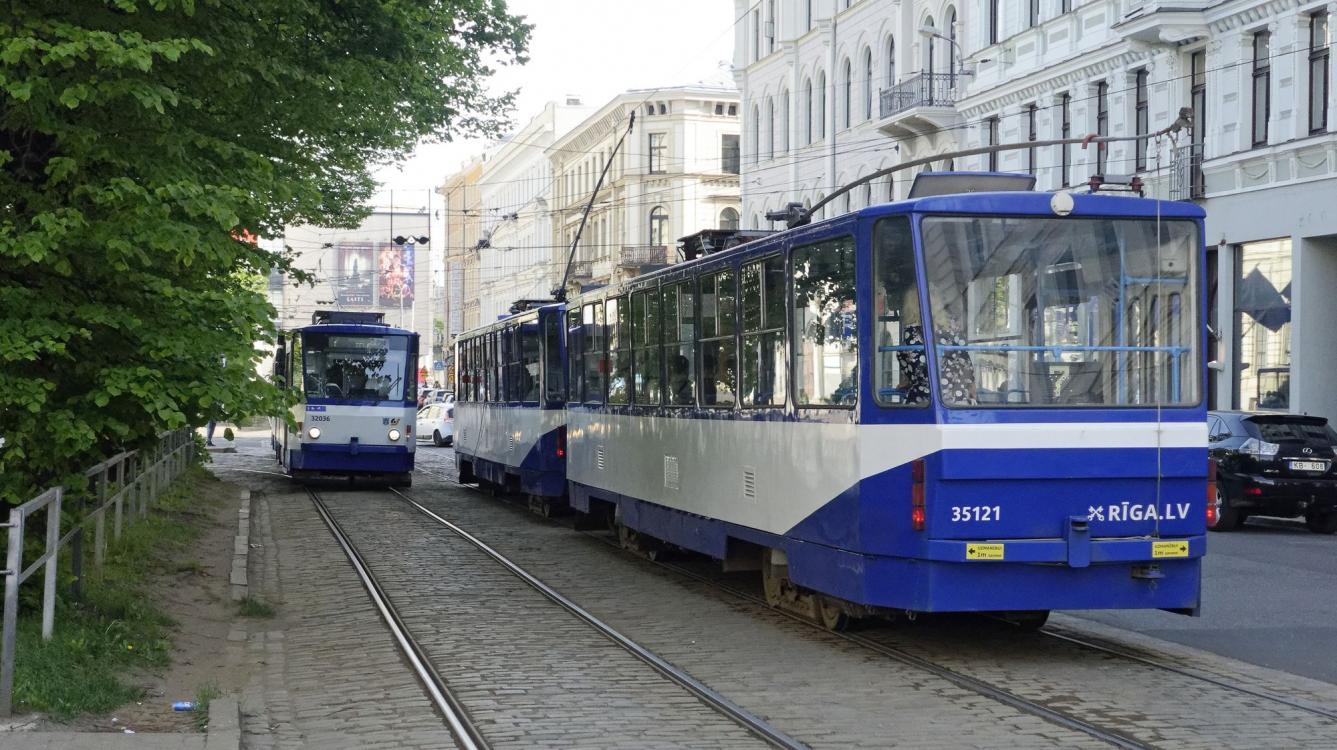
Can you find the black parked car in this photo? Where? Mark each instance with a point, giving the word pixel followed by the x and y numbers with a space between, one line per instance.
pixel 1273 465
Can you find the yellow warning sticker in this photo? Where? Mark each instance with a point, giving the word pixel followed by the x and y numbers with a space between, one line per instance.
pixel 1169 549
pixel 984 552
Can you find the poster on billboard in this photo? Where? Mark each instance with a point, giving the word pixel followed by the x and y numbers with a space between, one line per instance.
pixel 357 275
pixel 396 264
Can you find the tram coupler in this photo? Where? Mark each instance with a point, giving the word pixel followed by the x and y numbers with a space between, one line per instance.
pixel 1077 532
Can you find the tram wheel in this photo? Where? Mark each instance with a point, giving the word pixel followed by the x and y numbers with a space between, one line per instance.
pixel 639 544
pixel 774 579
pixel 832 614
pixel 1028 622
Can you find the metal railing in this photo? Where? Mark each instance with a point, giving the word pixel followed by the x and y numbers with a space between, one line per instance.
pixel 922 90
pixel 138 478
pixel 1186 179
pixel 643 255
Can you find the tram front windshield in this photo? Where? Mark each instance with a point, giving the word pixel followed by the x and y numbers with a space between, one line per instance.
pixel 355 366
pixel 1063 312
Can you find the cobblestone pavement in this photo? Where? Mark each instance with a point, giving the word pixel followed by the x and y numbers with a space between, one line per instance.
pixel 327 673
pixel 529 673
pixel 1155 706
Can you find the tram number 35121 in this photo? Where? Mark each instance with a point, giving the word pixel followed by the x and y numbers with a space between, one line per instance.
pixel 975 513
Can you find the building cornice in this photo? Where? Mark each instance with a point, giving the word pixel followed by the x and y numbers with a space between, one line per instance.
pixel 1055 79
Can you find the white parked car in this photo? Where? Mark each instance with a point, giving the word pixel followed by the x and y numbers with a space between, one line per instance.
pixel 436 422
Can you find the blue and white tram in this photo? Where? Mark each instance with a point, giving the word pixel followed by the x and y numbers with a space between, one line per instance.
pixel 985 402
pixel 509 421
pixel 357 379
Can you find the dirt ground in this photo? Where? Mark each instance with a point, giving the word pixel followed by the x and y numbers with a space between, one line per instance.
pixel 195 593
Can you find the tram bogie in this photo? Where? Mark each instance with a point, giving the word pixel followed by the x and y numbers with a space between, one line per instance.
pixel 356 378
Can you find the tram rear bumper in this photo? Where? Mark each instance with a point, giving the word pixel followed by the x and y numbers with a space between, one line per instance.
pixel 344 459
pixel 1032 575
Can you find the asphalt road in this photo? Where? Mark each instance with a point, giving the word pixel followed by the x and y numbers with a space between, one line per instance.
pixel 1268 599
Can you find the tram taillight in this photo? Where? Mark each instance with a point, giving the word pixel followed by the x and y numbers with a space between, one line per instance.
pixel 1211 492
pixel 918 514
pixel 561 442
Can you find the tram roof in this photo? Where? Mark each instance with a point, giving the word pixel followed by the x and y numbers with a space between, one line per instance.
pixel 376 330
pixel 1038 203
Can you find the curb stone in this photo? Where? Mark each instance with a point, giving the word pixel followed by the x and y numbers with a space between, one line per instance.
pixel 224 729
pixel 241 548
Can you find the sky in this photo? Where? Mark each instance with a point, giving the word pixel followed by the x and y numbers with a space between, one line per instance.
pixel 594 49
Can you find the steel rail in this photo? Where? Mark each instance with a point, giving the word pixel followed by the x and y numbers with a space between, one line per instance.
pixel 465 732
pixel 751 722
pixel 1273 697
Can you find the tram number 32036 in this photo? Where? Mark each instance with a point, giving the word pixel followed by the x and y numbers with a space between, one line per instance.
pixel 975 513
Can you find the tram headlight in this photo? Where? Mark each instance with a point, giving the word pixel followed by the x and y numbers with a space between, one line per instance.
pixel 393 434
pixel 313 433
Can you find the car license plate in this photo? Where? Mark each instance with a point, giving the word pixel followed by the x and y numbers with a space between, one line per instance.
pixel 1308 466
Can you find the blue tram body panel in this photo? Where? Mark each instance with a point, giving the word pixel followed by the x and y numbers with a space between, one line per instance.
pixel 1072 476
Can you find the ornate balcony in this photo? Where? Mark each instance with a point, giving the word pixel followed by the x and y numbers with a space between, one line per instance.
pixel 582 270
pixel 643 255
pixel 921 104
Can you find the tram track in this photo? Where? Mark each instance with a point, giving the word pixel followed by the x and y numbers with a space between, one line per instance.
pixel 983 687
pixel 461 725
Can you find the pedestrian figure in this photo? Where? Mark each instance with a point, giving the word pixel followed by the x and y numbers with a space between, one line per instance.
pixel 209 433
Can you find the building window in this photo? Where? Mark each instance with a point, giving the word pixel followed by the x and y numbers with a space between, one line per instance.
pixel 1064 133
pixel 807 15
pixel 808 134
pixel 729 153
pixel 1318 72
pixel 1262 84
pixel 719 108
pixel 770 26
pixel 658 150
pixel 846 89
pixel 784 123
pixel 659 227
pixel 1033 12
pixel 1102 124
pixel 1198 100
pixel 756 35
pixel 993 21
pixel 729 219
pixel 821 105
pixel 991 139
pixel 1141 120
pixel 756 134
pixel 952 46
pixel 868 84
pixel 1263 323
pixel 769 153
pixel 733 110
pixel 1031 117
pixel 1065 6
pixel 891 62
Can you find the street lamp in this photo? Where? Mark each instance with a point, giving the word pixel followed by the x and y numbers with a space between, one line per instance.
pixel 932 31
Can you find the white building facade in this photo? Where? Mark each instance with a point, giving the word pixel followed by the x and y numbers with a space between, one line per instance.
pixel 892 82
pixel 515 192
pixel 676 174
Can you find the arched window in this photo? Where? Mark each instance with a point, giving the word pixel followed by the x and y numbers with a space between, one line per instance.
pixel 867 84
pixel 755 135
pixel 728 219
pixel 891 62
pixel 770 128
pixel 808 133
pixel 951 48
pixel 784 122
pixel 821 105
pixel 659 227
pixel 846 89
pixel 930 50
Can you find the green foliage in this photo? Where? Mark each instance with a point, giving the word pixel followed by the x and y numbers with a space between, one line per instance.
pixel 140 138
pixel 253 607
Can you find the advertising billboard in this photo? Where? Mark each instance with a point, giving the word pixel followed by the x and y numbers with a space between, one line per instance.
pixel 396 275
pixel 357 275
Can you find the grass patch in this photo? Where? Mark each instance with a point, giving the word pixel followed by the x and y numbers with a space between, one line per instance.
pixel 252 607
pixel 204 694
pixel 117 628
pixel 194 567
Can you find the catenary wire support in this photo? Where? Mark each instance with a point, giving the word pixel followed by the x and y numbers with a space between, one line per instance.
pixel 559 294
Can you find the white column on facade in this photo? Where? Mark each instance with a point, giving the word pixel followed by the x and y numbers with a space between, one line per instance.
pixel 1297 28
pixel 1243 55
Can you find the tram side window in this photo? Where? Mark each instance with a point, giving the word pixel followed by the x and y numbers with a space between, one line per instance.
pixel 528 375
pixel 594 353
pixel 647 377
pixel 489 375
pixel 763 350
pixel 719 361
pixel 679 310
pixel 554 385
pixel 618 317
pixel 826 342
pixel 510 362
pixel 574 369
pixel 900 367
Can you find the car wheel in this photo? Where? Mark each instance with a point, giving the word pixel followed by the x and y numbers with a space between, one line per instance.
pixel 450 441
pixel 1322 523
pixel 1227 518
pixel 436 439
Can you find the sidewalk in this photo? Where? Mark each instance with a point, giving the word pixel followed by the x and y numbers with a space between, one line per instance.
pixel 224 733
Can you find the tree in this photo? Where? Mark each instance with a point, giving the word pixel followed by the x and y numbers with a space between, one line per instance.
pixel 141 141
